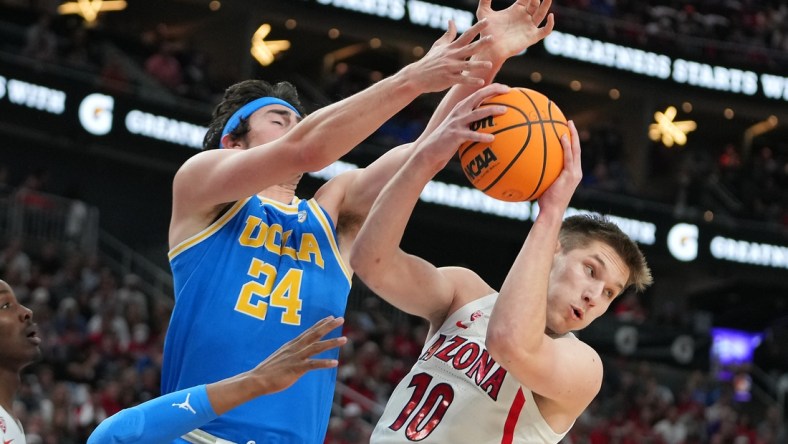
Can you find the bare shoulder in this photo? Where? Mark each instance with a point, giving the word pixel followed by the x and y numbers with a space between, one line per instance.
pixel 191 210
pixel 468 286
pixel 331 195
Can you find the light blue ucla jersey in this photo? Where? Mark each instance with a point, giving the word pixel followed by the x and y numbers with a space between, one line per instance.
pixel 253 280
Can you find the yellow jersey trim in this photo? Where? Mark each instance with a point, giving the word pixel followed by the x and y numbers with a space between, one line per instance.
pixel 291 208
pixel 208 231
pixel 330 235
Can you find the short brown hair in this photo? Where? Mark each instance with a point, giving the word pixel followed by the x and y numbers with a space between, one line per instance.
pixel 580 230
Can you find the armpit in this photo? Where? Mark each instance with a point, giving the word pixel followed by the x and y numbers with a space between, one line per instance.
pixel 349 223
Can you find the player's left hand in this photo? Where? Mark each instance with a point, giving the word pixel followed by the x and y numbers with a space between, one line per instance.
pixel 449 61
pixel 558 195
pixel 515 28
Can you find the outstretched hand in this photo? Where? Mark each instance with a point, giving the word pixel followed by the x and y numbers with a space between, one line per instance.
pixel 447 62
pixel 560 192
pixel 442 143
pixel 515 28
pixel 283 368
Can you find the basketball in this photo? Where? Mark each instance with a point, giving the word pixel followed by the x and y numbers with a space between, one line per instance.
pixel 526 156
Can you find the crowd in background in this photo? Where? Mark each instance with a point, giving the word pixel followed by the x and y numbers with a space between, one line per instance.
pixel 102 346
pixel 739 32
pixel 724 179
pixel 103 335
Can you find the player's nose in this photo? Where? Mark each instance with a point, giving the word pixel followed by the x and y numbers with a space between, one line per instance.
pixel 592 293
pixel 25 313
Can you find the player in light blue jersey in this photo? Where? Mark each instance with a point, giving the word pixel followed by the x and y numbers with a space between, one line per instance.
pixel 253 264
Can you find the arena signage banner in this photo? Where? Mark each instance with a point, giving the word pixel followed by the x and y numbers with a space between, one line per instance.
pixel 611 55
pixel 66 108
pixel 685 242
pixel 680 71
pixel 415 12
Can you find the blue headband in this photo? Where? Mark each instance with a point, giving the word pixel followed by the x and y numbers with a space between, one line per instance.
pixel 249 109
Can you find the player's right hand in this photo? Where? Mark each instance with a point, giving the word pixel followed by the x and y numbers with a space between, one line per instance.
pixel 517 27
pixel 558 195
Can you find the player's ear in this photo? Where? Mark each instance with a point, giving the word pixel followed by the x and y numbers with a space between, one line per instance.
pixel 228 141
pixel 558 247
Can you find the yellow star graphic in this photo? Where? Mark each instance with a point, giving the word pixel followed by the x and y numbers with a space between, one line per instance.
pixel 264 51
pixel 89 9
pixel 668 130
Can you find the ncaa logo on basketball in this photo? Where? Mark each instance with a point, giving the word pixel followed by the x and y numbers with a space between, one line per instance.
pixel 480 163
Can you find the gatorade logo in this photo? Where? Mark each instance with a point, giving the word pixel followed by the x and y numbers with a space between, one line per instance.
pixel 683 242
pixel 95 113
pixel 479 163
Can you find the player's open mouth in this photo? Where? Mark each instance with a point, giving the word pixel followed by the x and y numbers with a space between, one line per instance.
pixel 32 336
pixel 577 312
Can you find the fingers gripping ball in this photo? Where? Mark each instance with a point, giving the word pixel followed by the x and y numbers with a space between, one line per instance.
pixel 526 156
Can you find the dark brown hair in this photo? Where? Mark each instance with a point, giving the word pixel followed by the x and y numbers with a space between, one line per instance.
pixel 239 95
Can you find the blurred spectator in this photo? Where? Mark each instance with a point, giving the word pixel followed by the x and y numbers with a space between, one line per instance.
pixel 629 309
pixel 5 185
pixel 772 429
pixel 40 40
pixel 670 428
pixel 113 76
pixel 195 83
pixel 32 192
pixel 164 66
pixel 14 261
pixel 102 344
pixel 78 51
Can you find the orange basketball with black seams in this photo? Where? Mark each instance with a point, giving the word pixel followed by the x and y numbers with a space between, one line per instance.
pixel 526 156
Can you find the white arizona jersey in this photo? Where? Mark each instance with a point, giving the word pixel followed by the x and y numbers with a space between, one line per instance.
pixel 10 430
pixel 456 393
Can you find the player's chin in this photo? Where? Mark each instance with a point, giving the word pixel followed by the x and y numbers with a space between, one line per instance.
pixel 575 324
pixel 559 327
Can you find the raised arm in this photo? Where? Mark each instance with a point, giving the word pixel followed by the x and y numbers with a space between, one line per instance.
pixel 167 417
pixel 216 177
pixel 511 31
pixel 564 371
pixel 406 281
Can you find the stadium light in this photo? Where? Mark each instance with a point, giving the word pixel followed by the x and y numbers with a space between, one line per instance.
pixel 264 51
pixel 89 9
pixel 669 130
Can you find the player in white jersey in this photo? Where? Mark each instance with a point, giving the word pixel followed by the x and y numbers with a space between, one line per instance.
pixel 11 431
pixel 479 400
pixel 497 367
pixel 19 347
